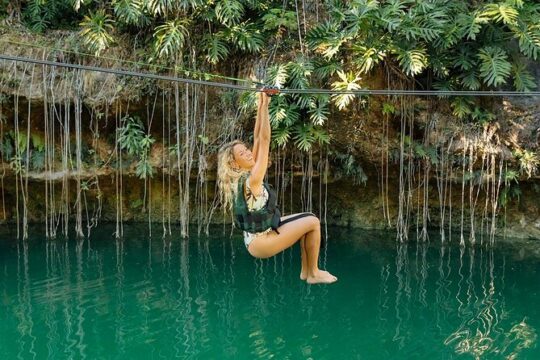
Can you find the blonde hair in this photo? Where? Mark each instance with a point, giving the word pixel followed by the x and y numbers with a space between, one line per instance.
pixel 227 176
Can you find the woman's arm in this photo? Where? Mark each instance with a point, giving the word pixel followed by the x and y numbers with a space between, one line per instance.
pixel 263 145
pixel 256 134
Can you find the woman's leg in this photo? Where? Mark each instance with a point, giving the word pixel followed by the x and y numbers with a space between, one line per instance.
pixel 303 254
pixel 270 244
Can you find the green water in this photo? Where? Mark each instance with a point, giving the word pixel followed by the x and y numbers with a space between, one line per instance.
pixel 206 298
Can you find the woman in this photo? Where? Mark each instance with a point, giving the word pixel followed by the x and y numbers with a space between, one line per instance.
pixel 241 181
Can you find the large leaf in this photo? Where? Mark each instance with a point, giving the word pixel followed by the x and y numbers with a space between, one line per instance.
pixel 347 82
pixel 494 67
pixel 216 48
pixel 412 61
pixel 96 31
pixel 523 79
pixel 503 12
pixel 170 37
pixel 229 12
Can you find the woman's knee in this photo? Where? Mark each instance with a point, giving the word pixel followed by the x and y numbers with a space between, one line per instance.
pixel 314 223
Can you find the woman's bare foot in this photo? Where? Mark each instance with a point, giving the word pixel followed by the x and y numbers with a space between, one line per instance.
pixel 321 277
pixel 303 274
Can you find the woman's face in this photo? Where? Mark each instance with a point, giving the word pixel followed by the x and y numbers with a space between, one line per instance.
pixel 243 157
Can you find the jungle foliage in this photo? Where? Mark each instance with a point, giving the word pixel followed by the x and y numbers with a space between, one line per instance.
pixel 434 44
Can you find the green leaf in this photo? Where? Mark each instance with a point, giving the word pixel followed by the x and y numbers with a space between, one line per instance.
pixel 523 79
pixel 528 38
pixel 246 37
pixel 461 106
pixel 470 80
pixel 144 169
pixel 413 61
pixel 170 37
pixel 349 82
pixel 216 48
pixel 299 71
pixel 366 58
pixel 304 137
pixel 280 19
pixel 128 11
pixel 277 75
pixel 501 12
pixel 318 112
pixel 471 24
pixel 281 135
pixel 494 67
pixel 229 12
pixel 95 32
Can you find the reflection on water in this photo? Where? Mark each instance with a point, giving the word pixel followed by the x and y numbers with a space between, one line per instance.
pixel 474 298
pixel 207 298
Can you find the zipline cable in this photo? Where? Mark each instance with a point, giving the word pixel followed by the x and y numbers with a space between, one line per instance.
pixel 285 91
pixel 126 73
pixel 130 62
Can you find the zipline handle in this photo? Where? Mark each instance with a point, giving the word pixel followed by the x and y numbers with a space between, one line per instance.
pixel 270 90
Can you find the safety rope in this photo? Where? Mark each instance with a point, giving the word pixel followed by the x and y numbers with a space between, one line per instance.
pixel 258 87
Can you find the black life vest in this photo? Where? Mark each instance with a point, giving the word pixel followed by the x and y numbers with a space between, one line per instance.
pixel 260 220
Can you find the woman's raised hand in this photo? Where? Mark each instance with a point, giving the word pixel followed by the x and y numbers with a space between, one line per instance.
pixel 264 99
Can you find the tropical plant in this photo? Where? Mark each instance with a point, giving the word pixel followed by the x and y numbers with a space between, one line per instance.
pixel 133 139
pixel 96 29
pixel 528 161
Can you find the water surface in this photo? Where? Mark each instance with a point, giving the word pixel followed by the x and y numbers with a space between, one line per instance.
pixel 205 298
